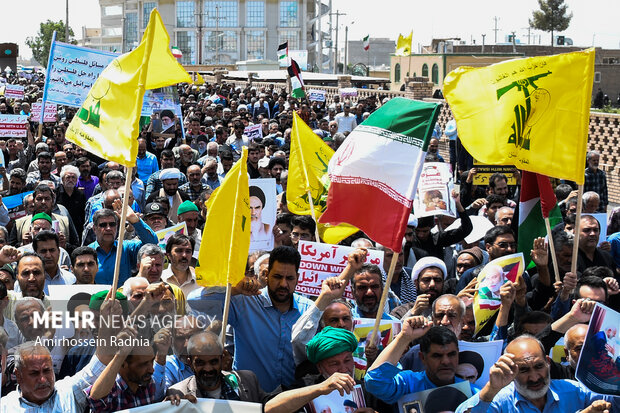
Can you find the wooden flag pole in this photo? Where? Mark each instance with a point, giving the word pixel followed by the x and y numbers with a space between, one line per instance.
pixel 316 224
pixel 225 314
pixel 121 229
pixel 573 265
pixel 386 290
pixel 554 259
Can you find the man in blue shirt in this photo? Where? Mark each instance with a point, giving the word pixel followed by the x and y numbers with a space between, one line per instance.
pixel 146 162
pixel 105 224
pixel 520 381
pixel 439 352
pixel 367 286
pixel 263 319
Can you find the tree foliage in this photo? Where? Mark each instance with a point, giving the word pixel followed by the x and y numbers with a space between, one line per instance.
pixel 552 17
pixel 40 45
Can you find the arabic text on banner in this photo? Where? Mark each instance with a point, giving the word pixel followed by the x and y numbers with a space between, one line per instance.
pixel 321 261
pixel 50 112
pixel 315 95
pixel 434 195
pixel 13 126
pixel 253 132
pixel 14 92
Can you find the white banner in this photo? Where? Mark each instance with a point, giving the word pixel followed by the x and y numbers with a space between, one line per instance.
pixel 316 95
pixel 13 126
pixel 50 112
pixel 202 406
pixel 433 196
pixel 14 92
pixel 347 91
pixel 254 131
pixel 320 261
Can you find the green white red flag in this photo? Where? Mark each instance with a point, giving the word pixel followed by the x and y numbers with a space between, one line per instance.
pixel 366 42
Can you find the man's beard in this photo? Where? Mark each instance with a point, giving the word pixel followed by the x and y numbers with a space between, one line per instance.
pixel 368 308
pixel 531 394
pixel 208 380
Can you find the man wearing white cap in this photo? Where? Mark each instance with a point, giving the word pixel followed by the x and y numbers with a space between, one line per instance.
pixel 428 276
pixel 170 181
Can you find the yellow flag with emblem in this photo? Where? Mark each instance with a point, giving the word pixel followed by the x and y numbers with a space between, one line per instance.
pixel 199 80
pixel 532 113
pixel 309 157
pixel 403 45
pixel 108 123
pixel 226 236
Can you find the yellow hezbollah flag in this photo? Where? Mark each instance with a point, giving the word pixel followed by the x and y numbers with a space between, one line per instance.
pixel 495 274
pixel 532 113
pixel 107 124
pixel 226 237
pixel 403 45
pixel 199 80
pixel 309 157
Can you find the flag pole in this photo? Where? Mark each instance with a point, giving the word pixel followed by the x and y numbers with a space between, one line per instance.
pixel 225 314
pixel 316 224
pixel 573 265
pixel 50 59
pixel 386 290
pixel 121 230
pixel 554 259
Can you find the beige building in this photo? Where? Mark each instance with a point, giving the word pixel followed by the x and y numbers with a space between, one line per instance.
pixel 216 31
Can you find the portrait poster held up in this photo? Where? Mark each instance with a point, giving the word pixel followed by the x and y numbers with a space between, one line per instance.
pixel 495 274
pixel 363 328
pixel 598 367
pixel 320 261
pixel 440 399
pixel 263 213
pixel 434 191
pixel 335 403
pixel 478 357
pixel 201 406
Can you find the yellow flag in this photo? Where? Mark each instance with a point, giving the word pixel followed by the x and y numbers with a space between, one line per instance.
pixel 226 237
pixel 532 113
pixel 199 80
pixel 309 157
pixel 107 124
pixel 403 45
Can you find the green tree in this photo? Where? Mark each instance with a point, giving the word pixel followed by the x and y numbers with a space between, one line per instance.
pixel 552 17
pixel 40 45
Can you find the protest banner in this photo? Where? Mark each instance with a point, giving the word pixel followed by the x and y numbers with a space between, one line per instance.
pixel 254 131
pixel 490 280
pixel 478 357
pixel 434 194
pixel 441 399
pixel 263 213
pixel 316 95
pixel 598 367
pixel 73 72
pixel 363 329
pixel 14 91
pixel 484 172
pixel 335 403
pixel 320 261
pixel 201 406
pixel 13 126
pixel 601 217
pixel 50 112
pixel 164 234
pixel 15 203
pixel 347 91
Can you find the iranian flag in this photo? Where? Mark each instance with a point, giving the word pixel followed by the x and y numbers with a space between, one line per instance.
pixel 536 203
pixel 374 174
pixel 176 52
pixel 297 83
pixel 366 41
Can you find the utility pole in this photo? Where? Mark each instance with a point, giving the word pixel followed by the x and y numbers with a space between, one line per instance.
pixel 332 62
pixel 483 38
pixel 217 28
pixel 514 42
pixel 337 14
pixel 67 21
pixel 346 41
pixel 495 29
pixel 198 16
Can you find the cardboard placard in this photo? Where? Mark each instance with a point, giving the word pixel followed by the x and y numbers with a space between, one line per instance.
pixel 316 95
pixel 14 91
pixel 13 126
pixel 254 131
pixel 50 112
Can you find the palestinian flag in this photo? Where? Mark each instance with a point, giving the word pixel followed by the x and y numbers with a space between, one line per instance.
pixel 366 42
pixel 376 200
pixel 176 52
pixel 297 83
pixel 537 202
pixel 283 51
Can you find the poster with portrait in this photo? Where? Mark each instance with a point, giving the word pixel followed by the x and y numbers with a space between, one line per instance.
pixel 335 403
pixel 263 213
pixel 362 328
pixel 164 234
pixel 441 399
pixel 598 367
pixel 476 359
pixel 490 280
pixel 433 196
pixel 201 406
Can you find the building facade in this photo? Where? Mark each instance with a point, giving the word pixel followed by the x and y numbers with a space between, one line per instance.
pixel 215 31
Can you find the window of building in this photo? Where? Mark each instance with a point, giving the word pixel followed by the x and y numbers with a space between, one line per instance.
pixel 597 77
pixel 227 47
pixel 435 73
pixel 185 14
pixel 397 73
pixel 186 42
pixel 290 37
pixel 221 13
pixel 255 14
pixel 112 10
pixel 424 70
pixel 131 31
pixel 288 14
pixel 112 31
pixel 255 43
pixel 147 8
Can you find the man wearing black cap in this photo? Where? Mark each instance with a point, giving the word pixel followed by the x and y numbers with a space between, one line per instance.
pixel 155 216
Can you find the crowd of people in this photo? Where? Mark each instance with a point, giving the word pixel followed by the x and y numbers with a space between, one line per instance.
pixel 282 349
